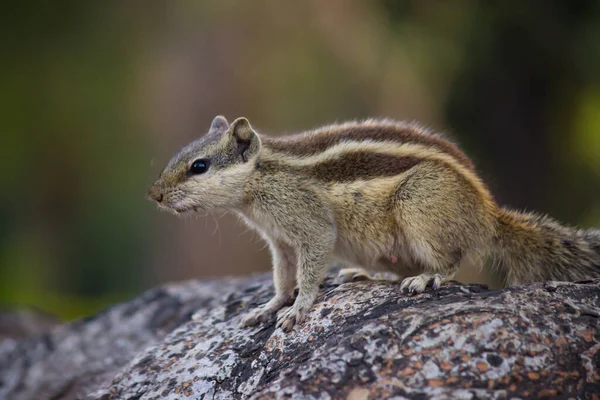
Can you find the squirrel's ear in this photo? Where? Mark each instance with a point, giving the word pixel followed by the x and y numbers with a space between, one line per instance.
pixel 246 140
pixel 242 130
pixel 219 124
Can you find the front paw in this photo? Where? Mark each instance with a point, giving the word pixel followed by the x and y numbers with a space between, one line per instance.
pixel 290 317
pixel 259 315
pixel 267 311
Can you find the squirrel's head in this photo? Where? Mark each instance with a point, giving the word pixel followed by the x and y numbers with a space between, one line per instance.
pixel 211 172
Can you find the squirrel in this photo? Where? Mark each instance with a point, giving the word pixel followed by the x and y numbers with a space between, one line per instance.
pixel 380 195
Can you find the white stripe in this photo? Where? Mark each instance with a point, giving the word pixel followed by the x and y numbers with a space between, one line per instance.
pixel 392 148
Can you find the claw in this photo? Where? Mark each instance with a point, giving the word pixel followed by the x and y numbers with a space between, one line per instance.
pixel 249 321
pixel 404 284
pixel 437 281
pixel 265 312
pixel 289 318
pixel 417 284
pixel 257 316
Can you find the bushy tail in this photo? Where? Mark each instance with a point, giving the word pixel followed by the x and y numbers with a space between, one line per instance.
pixel 533 248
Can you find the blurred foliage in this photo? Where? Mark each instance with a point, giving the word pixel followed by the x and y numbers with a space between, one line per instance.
pixel 71 164
pixel 95 96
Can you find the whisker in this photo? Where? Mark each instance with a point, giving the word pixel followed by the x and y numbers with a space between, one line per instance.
pixel 217 228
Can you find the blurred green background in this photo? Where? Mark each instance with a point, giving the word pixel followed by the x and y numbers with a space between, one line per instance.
pixel 97 95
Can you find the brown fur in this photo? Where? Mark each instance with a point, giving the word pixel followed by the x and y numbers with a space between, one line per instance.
pixel 350 167
pixel 537 248
pixel 382 196
pixel 319 140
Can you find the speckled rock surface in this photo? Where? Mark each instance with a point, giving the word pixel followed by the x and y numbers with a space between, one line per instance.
pixel 362 340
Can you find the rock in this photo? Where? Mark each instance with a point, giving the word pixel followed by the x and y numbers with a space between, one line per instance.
pixel 361 340
pixel 22 322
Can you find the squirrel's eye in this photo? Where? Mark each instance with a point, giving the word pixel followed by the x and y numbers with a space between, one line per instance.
pixel 199 167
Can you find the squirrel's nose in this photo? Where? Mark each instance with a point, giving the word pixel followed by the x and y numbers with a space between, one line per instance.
pixel 155 194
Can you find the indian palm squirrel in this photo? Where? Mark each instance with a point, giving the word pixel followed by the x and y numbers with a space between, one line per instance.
pixel 379 195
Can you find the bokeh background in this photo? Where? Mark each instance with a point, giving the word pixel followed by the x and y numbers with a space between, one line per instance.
pixel 96 96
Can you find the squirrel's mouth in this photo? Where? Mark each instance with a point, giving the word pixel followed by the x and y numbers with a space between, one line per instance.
pixel 178 209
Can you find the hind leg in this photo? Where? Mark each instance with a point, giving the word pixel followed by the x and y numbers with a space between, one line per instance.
pixel 439 262
pixel 439 265
pixel 443 221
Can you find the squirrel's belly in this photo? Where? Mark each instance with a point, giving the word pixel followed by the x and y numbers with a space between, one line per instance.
pixel 384 255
